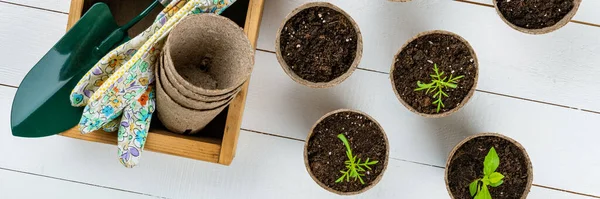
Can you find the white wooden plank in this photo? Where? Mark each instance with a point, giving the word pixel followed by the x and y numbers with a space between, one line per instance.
pixel 588 10
pixel 265 167
pixel 25 36
pixel 20 185
pixel 557 68
pixel 54 5
pixel 560 141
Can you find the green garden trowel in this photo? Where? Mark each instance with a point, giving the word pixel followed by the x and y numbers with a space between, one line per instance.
pixel 41 106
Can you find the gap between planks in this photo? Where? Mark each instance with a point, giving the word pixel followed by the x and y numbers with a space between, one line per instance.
pixel 483 91
pixel 33 7
pixel 423 164
pixel 492 6
pixel 282 137
pixel 78 182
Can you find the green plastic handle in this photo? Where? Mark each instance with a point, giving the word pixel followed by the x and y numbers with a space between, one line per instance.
pixel 120 34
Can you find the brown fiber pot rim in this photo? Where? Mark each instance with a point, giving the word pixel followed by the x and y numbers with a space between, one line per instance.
pixel 463 102
pixel 528 160
pixel 545 30
pixel 233 30
pixel 183 100
pixel 336 81
pixel 306 164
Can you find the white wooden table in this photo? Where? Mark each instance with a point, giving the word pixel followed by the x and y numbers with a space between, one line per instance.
pixel 540 90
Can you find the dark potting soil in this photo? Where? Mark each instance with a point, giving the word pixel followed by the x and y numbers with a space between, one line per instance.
pixel 534 14
pixel 319 44
pixel 467 165
pixel 326 152
pixel 416 63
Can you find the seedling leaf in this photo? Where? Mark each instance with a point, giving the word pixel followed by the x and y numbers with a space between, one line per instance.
pixel 473 187
pixel 353 164
pixel 491 162
pixel 495 177
pixel 438 82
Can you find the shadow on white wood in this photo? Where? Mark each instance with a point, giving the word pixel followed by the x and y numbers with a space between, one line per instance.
pixel 264 167
pixel 561 142
pixel 25 36
pixel 558 67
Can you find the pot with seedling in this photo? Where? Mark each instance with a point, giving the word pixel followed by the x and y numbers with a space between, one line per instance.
pixel 488 166
pixel 536 17
pixel 318 45
pixel 435 73
pixel 346 152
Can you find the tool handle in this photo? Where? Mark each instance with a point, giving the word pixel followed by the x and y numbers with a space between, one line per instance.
pixel 140 16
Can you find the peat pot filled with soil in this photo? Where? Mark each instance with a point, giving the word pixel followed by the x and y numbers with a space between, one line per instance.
pixel 488 164
pixel 435 73
pixel 346 152
pixel 318 45
pixel 536 16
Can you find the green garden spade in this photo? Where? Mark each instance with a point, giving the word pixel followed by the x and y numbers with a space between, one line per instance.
pixel 41 106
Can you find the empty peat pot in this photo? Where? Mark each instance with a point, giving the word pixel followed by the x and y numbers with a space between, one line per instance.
pixel 177 91
pixel 435 73
pixel 536 17
pixel 181 119
pixel 325 154
pixel 209 54
pixel 465 164
pixel 184 101
pixel 318 45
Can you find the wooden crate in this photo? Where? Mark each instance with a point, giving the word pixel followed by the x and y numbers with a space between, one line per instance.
pixel 217 142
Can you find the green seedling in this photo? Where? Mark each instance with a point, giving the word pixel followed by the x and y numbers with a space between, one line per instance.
pixel 438 83
pixel 479 188
pixel 354 168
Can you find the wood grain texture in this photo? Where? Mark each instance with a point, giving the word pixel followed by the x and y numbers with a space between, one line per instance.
pixel 75 12
pixel 25 36
pixel 19 185
pixel 588 10
pixel 53 5
pixel 267 167
pixel 207 149
pixel 556 138
pixel 556 68
pixel 236 108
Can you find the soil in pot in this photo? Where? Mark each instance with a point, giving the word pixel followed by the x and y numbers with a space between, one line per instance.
pixel 319 44
pixel 466 166
pixel 326 153
pixel 416 63
pixel 534 14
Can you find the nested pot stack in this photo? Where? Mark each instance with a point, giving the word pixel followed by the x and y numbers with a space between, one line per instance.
pixel 206 60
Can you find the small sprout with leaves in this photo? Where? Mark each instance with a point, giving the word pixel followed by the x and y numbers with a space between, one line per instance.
pixel 438 84
pixel 354 168
pixel 479 188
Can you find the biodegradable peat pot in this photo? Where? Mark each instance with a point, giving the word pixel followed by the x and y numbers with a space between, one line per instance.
pixel 536 17
pixel 179 83
pixel 318 45
pixel 184 101
pixel 465 165
pixel 325 153
pixel 172 86
pixel 180 119
pixel 415 62
pixel 209 54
